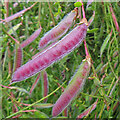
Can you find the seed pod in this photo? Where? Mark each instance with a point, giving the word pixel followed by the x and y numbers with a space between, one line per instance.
pixel 74 87
pixel 45 85
pixel 89 110
pixel 16 15
pixel 52 54
pixel 58 30
pixel 18 57
pixel 35 83
pixel 31 38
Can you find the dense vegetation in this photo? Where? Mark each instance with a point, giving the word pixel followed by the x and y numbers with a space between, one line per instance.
pixel 103 42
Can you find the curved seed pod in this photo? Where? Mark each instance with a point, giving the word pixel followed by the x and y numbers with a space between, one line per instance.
pixel 18 58
pixel 31 38
pixel 74 87
pixel 52 54
pixel 59 30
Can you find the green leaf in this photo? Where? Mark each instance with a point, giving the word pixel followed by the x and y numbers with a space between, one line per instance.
pixel 104 44
pixel 78 4
pixel 93 30
pixel 14 28
pixel 43 105
pixel 39 115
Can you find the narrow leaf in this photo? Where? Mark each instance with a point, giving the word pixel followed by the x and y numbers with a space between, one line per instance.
pixel 43 105
pixel 14 28
pixel 105 43
pixel 92 30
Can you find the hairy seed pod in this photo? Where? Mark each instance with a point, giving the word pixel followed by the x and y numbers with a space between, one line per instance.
pixel 31 38
pixel 52 54
pixel 35 83
pixel 58 30
pixel 89 110
pixel 45 85
pixel 16 15
pixel 74 87
pixel 18 58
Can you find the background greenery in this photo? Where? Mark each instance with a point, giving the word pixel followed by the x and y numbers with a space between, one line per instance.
pixel 97 85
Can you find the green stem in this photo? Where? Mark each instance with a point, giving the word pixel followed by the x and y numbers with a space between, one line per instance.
pixel 35 102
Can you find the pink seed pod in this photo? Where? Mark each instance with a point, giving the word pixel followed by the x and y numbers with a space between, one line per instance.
pixel 31 38
pixel 59 30
pixel 52 54
pixel 89 110
pixel 18 58
pixel 75 85
pixel 114 19
pixel 45 85
pixel 16 15
pixel 35 83
pixel 37 54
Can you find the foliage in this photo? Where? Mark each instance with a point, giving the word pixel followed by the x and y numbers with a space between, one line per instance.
pixel 102 83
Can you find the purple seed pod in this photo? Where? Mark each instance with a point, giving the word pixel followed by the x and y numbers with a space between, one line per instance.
pixel 52 54
pixel 31 38
pixel 75 85
pixel 16 15
pixel 89 110
pixel 58 31
pixel 35 83
pixel 18 58
pixel 45 85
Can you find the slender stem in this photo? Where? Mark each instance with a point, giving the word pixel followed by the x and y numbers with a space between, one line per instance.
pixel 36 102
pixel 86 50
pixel 11 36
pixel 83 10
